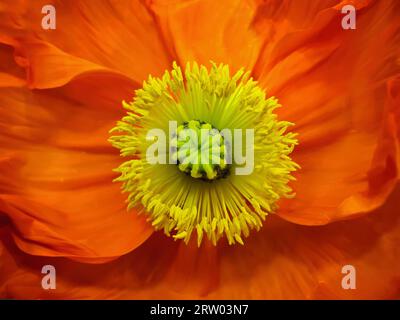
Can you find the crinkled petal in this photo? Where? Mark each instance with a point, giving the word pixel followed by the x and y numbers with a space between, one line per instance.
pixel 56 178
pixel 283 261
pixel 335 85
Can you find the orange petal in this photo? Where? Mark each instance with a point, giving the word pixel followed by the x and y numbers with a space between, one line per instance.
pixel 10 74
pixel 121 36
pixel 283 261
pixel 56 178
pixel 287 261
pixel 148 272
pixel 334 84
pixel 201 31
pixel 286 24
pixel 49 67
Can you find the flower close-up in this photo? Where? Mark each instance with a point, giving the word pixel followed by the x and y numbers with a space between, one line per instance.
pixel 199 149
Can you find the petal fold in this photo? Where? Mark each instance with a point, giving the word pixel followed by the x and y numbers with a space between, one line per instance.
pixel 282 261
pixel 121 36
pixel 335 86
pixel 56 178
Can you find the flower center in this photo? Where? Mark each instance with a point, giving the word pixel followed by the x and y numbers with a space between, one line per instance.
pixel 200 150
pixel 195 125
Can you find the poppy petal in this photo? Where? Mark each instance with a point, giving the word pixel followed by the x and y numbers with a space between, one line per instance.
pixel 201 31
pixel 10 74
pixel 121 36
pixel 334 85
pixel 49 67
pixel 56 178
pixel 282 261
pixel 288 261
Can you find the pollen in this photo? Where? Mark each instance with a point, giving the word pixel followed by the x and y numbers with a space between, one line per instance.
pixel 222 171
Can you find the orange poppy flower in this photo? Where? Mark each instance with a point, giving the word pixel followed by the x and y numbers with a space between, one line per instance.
pixel 61 93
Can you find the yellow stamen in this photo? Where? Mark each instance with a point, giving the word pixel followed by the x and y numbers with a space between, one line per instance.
pixel 205 200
